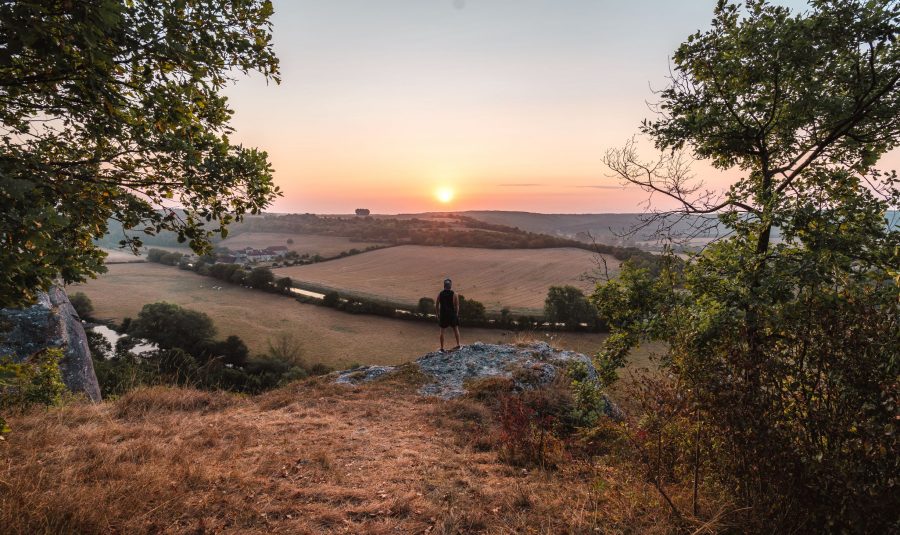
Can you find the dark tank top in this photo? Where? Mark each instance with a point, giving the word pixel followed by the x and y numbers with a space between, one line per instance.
pixel 445 299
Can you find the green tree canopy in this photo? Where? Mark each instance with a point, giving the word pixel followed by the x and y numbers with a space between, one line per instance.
pixel 788 348
pixel 112 109
pixel 284 284
pixel 232 350
pixel 169 326
pixel 471 311
pixel 568 304
pixel 82 304
pixel 425 305
pixel 261 278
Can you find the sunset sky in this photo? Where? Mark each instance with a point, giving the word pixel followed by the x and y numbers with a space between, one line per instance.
pixel 487 104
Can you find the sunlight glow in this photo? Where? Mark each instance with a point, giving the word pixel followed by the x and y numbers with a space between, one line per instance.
pixel 444 194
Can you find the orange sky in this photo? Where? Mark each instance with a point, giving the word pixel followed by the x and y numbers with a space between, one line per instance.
pixel 510 103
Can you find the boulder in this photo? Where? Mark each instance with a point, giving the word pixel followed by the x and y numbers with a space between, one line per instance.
pixel 528 365
pixel 51 322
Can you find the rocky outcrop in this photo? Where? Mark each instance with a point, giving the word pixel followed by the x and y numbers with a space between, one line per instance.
pixel 528 365
pixel 51 322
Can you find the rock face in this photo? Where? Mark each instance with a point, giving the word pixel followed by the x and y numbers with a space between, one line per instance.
pixel 52 322
pixel 528 365
pixel 538 362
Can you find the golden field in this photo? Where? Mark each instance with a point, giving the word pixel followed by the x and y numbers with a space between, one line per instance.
pixel 328 336
pixel 310 244
pixel 513 278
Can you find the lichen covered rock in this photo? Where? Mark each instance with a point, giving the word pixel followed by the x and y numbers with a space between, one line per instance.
pixel 51 322
pixel 527 365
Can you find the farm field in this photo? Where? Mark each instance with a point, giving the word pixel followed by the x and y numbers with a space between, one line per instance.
pixel 514 278
pixel 334 338
pixel 310 244
pixel 122 256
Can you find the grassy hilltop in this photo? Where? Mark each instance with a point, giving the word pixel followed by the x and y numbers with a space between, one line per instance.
pixel 312 457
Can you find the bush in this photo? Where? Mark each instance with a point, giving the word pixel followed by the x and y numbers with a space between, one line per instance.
pixel 425 306
pixel 527 430
pixel 34 381
pixel 471 312
pixel 331 299
pixel 261 278
pixel 171 259
pixel 155 255
pixel 82 305
pixel 284 285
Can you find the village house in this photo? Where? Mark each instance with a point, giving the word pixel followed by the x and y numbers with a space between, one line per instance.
pixel 251 255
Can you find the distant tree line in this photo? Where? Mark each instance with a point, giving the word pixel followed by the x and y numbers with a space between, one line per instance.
pixel 565 308
pixel 260 278
pixel 451 231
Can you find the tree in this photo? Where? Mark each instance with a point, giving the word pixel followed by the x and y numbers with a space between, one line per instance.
pixel 82 304
pixel 155 255
pixel 238 276
pixel 261 278
pixel 425 306
pixel 284 284
pixel 568 304
pixel 471 311
pixel 362 211
pixel 232 350
pixel 286 348
pixel 171 259
pixel 787 348
pixel 112 110
pixel 169 326
pixel 331 299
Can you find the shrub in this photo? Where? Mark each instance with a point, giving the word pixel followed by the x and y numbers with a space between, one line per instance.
pixel 155 255
pixel 471 312
pixel 425 306
pixel 331 299
pixel 33 381
pixel 319 369
pixel 527 431
pixel 82 305
pixel 284 284
pixel 261 278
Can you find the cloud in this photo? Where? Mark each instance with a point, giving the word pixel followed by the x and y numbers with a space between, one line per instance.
pixel 603 187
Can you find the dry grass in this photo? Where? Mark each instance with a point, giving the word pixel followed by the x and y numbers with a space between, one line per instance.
pixel 310 244
pixel 514 278
pixel 313 457
pixel 327 336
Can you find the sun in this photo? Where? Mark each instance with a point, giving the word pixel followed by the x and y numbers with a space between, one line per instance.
pixel 444 194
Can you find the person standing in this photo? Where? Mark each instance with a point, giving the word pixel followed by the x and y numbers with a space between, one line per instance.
pixel 447 308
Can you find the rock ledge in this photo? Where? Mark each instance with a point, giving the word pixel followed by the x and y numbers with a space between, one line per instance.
pixel 451 370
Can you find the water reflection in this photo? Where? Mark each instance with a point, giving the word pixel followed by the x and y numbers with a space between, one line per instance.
pixel 112 337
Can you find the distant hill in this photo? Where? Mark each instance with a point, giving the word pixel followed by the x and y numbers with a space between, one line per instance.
pixel 602 228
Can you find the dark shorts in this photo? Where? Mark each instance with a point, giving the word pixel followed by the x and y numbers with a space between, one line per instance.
pixel 448 320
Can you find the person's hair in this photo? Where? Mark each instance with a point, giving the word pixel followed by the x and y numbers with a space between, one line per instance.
pixel 447 284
